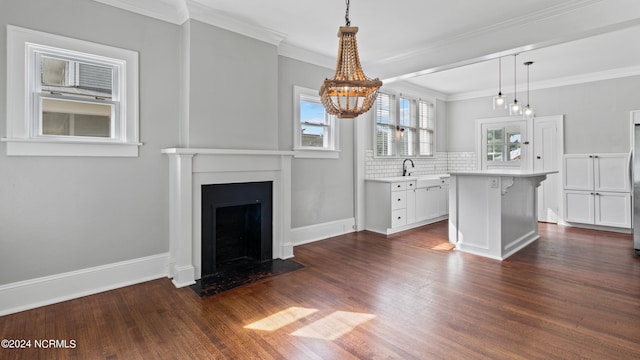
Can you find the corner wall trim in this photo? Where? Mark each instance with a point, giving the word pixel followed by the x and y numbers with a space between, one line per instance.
pixel 307 234
pixel 33 293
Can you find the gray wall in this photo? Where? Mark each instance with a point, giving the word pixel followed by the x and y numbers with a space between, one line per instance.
pixel 596 115
pixel 61 214
pixel 234 90
pixel 321 189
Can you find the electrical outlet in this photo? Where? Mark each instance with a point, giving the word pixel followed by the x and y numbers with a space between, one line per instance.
pixel 494 182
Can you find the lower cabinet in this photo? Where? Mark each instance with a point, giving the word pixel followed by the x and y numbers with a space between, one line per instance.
pixel 598 208
pixel 400 205
pixel 431 202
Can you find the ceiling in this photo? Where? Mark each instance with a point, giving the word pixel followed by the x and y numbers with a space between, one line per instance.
pixel 450 46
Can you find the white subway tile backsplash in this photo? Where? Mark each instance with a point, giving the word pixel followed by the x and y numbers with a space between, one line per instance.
pixel 441 163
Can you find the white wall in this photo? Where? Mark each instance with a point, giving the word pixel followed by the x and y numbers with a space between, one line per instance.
pixel 62 214
pixel 596 115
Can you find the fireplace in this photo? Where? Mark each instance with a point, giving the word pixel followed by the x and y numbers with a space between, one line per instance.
pixel 191 170
pixel 236 226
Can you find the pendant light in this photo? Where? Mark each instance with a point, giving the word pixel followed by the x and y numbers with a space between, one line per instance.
pixel 528 110
pixel 514 107
pixel 499 101
pixel 350 93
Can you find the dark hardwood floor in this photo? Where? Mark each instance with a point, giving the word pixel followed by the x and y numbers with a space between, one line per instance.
pixel 573 294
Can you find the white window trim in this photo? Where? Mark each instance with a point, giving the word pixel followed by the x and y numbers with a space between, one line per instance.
pixel 19 137
pixel 395 116
pixel 331 152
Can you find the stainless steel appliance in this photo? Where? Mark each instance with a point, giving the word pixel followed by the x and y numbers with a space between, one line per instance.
pixel 635 171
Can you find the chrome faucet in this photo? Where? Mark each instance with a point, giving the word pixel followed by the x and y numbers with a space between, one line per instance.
pixel 404 167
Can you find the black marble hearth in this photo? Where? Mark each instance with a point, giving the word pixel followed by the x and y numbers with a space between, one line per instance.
pixel 242 273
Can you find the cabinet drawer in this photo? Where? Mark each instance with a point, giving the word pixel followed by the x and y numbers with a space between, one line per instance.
pixel 398 218
pixel 398 186
pixel 411 185
pixel 398 200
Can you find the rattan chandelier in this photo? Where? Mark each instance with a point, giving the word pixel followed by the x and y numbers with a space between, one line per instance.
pixel 349 93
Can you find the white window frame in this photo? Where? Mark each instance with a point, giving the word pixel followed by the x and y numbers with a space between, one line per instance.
pixel 24 136
pixel 331 149
pixel 399 130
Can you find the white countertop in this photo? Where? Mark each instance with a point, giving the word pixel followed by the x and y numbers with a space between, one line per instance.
pixel 502 172
pixel 409 178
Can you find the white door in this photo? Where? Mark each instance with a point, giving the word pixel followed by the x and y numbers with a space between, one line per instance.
pixel 547 155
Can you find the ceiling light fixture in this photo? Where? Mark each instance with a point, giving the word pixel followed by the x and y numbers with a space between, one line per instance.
pixel 528 110
pixel 350 93
pixel 514 107
pixel 499 101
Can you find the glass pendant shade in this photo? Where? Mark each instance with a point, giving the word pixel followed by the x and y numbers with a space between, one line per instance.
pixel 528 112
pixel 515 108
pixel 499 102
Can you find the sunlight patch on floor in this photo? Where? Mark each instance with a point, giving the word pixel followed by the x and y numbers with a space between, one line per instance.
pixel 281 319
pixel 334 325
pixel 446 246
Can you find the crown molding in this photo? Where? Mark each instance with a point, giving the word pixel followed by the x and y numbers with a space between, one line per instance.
pixel 179 11
pixel 219 19
pixel 171 11
pixel 565 81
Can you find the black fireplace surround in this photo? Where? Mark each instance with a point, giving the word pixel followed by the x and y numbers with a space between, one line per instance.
pixel 236 226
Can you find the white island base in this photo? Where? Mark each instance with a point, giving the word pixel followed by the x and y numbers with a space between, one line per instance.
pixel 493 213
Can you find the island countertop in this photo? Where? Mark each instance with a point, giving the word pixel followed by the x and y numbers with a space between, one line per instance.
pixel 501 172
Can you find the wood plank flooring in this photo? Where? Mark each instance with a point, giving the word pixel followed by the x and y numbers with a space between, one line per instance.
pixel 573 294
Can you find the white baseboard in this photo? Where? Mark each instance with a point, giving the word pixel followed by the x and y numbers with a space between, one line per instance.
pixel 306 234
pixel 29 294
pixel 597 227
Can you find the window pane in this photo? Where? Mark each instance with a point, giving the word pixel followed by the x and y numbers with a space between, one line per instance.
pixel 407 139
pixel 426 142
pixel 312 112
pixel 75 118
pixel 405 112
pixel 384 138
pixel 514 146
pixel 313 135
pixel 74 77
pixel 425 115
pixel 383 109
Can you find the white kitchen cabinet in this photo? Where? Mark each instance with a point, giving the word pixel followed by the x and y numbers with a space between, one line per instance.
pixel 432 200
pixel 396 204
pixel 387 204
pixel 597 189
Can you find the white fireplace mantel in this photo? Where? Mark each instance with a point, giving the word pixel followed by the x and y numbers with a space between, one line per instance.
pixel 190 168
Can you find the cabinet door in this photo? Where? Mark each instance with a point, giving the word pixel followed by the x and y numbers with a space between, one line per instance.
pixel 444 201
pixel 428 203
pixel 578 172
pixel 611 172
pixel 411 203
pixel 578 206
pixel 613 209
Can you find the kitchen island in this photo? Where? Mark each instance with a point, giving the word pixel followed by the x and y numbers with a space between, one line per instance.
pixel 493 213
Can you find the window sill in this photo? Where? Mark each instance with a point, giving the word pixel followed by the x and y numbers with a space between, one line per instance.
pixel 316 154
pixel 24 147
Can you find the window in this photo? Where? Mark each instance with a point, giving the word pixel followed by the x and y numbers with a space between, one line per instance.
pixel 501 143
pixel 404 127
pixel 315 132
pixel 68 97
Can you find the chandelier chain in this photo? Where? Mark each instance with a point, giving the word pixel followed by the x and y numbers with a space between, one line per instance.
pixel 346 15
